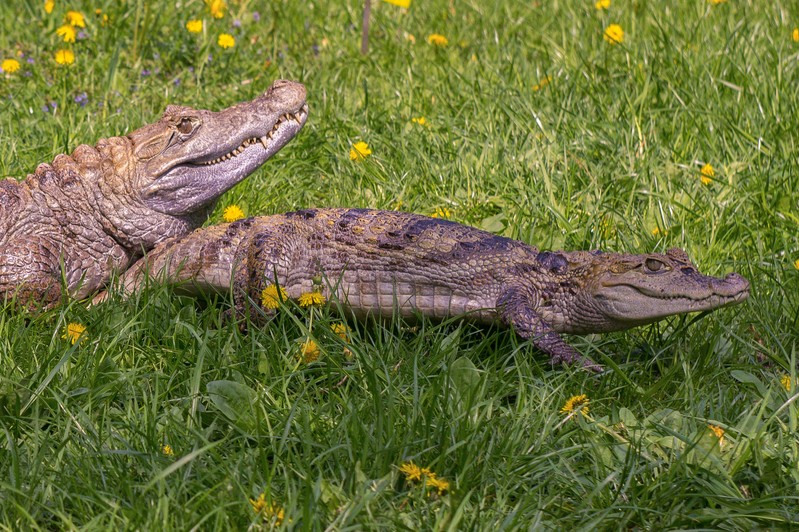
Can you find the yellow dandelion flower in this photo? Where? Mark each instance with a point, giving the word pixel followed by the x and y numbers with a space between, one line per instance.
pixel 411 471
pixel 309 351
pixel 75 18
pixel 706 174
pixel 602 4
pixel 226 40
pixel 309 299
pixel 437 39
pixel 718 432
pixel 194 26
pixel 574 402
pixel 439 484
pixel 166 450
pixel 64 57
pixel 443 213
pixel 232 213
pixel 341 330
pixel 614 34
pixel 9 66
pixel 217 8
pixel 716 2
pixel 359 151
pixel 271 296
pixel 543 83
pixel 785 380
pixel 399 3
pixel 796 264
pixel 270 511
pixel 74 332
pixel 49 5
pixel 419 120
pixel 67 32
pixel 795 35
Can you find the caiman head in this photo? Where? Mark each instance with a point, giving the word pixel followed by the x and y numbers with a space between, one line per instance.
pixel 189 158
pixel 613 291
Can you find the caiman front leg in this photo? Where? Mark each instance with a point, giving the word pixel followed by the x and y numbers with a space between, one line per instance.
pixel 516 310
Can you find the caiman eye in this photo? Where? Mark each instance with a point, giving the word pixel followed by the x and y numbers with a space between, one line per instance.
pixel 654 265
pixel 185 126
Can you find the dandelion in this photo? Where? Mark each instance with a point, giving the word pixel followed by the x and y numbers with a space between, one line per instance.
pixel 166 450
pixel 232 213
pixel 795 35
pixel 718 432
pixel 543 83
pixel 439 484
pixel 66 32
pixel 443 213
pixel 399 3
pixel 716 2
pixel 614 34
pixel 411 471
pixel 270 511
pixel 226 40
pixel 217 8
pixel 309 351
pixel 706 174
pixel 796 264
pixel 49 5
pixel 359 151
pixel 419 120
pixel 785 380
pixel 194 26
pixel 576 402
pixel 75 18
pixel 341 330
pixel 9 65
pixel 437 39
pixel 311 298
pixel 271 296
pixel 602 4
pixel 64 57
pixel 74 332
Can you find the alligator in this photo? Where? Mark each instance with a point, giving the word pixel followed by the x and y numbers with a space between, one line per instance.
pixel 384 262
pixel 74 222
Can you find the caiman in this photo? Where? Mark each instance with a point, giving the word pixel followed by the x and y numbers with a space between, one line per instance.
pixel 75 221
pixel 381 263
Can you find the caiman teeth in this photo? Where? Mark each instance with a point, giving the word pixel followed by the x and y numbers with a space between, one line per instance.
pixel 298 117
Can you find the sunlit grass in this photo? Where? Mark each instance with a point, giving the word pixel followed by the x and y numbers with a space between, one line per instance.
pixel 535 127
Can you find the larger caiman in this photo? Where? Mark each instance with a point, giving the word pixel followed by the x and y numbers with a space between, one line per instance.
pixel 384 262
pixel 75 221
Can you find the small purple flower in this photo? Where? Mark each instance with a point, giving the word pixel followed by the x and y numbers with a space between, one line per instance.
pixel 236 23
pixel 145 73
pixel 82 99
pixel 30 60
pixel 53 106
pixel 82 35
pixel 191 69
pixel 256 16
pixel 176 82
pixel 210 58
pixel 45 108
pixel 27 73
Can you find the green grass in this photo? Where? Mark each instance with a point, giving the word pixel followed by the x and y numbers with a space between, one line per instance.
pixel 606 153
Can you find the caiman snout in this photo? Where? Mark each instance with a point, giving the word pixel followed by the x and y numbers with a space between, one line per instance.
pixel 733 285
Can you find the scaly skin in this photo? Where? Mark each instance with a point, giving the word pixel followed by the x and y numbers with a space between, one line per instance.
pixel 380 263
pixel 77 220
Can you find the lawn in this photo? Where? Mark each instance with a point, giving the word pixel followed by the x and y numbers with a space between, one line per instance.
pixel 537 120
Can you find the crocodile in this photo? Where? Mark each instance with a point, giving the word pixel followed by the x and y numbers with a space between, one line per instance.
pixel 73 223
pixel 384 262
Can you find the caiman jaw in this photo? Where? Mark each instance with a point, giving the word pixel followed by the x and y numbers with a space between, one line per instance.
pixel 289 121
